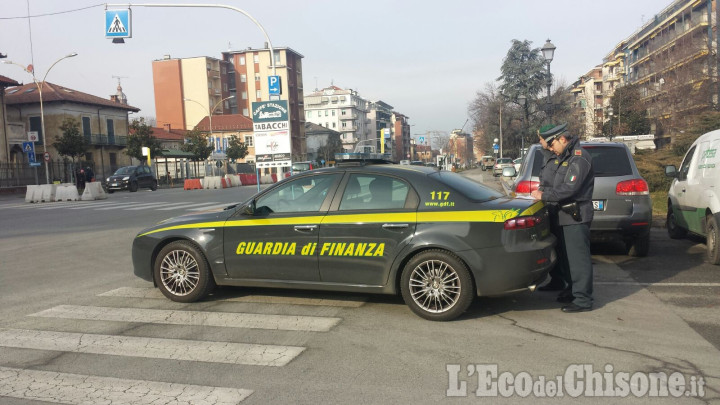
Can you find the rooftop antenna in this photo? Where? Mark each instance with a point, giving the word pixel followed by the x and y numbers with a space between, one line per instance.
pixel 229 46
pixel 120 77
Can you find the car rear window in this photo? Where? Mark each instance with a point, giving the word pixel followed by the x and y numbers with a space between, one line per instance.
pixel 609 161
pixel 469 188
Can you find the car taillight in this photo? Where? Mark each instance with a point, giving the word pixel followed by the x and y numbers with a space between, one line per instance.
pixel 632 187
pixel 522 223
pixel 527 186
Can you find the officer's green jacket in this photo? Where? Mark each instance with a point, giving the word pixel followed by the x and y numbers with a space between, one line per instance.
pixel 549 167
pixel 573 182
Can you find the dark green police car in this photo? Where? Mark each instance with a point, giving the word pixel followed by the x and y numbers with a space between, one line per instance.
pixel 435 237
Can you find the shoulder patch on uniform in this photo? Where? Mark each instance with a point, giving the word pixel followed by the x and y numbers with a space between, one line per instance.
pixel 578 152
pixel 564 163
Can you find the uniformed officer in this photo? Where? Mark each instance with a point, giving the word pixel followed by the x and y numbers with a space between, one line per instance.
pixel 572 190
pixel 560 274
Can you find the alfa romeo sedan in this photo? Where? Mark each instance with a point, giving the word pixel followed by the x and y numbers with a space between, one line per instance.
pixel 437 238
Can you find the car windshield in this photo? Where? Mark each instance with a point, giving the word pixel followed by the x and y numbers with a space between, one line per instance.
pixel 301 167
pixel 125 170
pixel 469 188
pixel 609 161
pixel 504 160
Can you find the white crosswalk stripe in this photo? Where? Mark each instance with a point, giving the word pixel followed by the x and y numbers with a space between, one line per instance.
pixel 198 318
pixel 155 348
pixel 123 205
pixel 191 205
pixel 79 389
pixel 154 293
pixel 153 205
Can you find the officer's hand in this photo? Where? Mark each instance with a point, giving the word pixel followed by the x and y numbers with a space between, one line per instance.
pixel 536 194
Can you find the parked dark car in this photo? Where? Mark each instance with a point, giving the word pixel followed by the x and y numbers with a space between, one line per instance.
pixel 621 198
pixel 131 178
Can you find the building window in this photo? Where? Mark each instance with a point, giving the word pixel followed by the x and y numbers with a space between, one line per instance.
pixel 257 77
pixel 277 57
pixel 86 127
pixel 256 58
pixel 246 112
pixel 224 70
pixel 249 140
pixel 333 113
pixel 258 94
pixel 242 60
pixel 334 125
pixel 344 124
pixel 113 161
pixel 343 112
pixel 225 87
pixel 319 113
pixel 227 104
pixel 243 78
pixel 244 95
pixel 210 85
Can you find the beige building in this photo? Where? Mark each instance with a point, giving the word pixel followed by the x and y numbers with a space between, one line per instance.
pixel 188 89
pixel 588 103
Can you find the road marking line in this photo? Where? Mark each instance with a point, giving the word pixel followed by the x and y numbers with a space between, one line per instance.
pixel 198 318
pixel 186 206
pixel 77 389
pixel 223 205
pixel 153 205
pixel 93 205
pixel 154 348
pixel 118 206
pixel 635 283
pixel 154 293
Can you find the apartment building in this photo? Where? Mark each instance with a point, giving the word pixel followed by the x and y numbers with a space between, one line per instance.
pixel 401 137
pixel 379 117
pixel 589 102
pixel 188 89
pixel 341 110
pixel 248 82
pixel 672 60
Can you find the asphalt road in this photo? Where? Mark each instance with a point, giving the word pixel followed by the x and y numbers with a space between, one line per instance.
pixel 72 311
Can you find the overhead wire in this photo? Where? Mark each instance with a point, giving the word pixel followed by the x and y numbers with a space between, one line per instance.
pixel 55 13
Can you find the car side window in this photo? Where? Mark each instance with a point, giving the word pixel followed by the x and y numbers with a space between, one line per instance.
pixel 373 192
pixel 298 195
pixel 685 166
pixel 146 169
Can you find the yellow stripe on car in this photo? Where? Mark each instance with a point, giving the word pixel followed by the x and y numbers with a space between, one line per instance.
pixel 386 217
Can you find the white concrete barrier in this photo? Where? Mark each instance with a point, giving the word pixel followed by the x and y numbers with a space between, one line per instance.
pixel 48 192
pixel 266 179
pixel 67 192
pixel 233 180
pixel 211 182
pixel 33 194
pixel 94 191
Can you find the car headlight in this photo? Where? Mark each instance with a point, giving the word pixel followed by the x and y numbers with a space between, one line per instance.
pixel 108 180
pixel 126 178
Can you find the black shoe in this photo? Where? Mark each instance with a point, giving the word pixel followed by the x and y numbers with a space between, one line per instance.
pixel 565 299
pixel 576 308
pixel 553 285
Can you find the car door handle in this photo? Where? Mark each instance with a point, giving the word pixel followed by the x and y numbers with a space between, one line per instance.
pixel 395 226
pixel 683 190
pixel 305 227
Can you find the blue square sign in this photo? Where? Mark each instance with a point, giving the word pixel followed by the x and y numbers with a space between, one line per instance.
pixel 117 24
pixel 274 85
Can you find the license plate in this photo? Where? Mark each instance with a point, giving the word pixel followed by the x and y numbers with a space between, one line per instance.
pixel 114 184
pixel 598 205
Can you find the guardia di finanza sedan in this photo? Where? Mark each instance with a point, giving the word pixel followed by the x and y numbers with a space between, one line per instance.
pixel 437 238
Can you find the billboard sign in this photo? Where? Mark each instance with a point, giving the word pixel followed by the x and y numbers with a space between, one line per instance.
pixel 273 145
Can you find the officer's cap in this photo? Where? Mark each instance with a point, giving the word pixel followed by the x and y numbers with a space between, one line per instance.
pixel 549 132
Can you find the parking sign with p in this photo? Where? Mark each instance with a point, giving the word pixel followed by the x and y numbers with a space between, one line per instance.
pixel 274 85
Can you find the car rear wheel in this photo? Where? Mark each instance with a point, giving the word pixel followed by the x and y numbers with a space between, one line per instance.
pixel 713 240
pixel 674 230
pixel 639 246
pixel 133 187
pixel 437 286
pixel 182 272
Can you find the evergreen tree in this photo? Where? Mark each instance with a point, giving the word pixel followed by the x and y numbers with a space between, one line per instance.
pixel 197 144
pixel 141 136
pixel 236 149
pixel 72 143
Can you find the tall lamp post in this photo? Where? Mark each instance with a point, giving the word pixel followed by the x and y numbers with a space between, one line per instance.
pixel 610 118
pixel 548 52
pixel 522 100
pixel 30 69
pixel 210 111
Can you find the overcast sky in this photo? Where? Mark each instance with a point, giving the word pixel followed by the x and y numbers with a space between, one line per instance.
pixel 425 58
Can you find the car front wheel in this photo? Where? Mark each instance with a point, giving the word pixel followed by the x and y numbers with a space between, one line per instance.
pixel 437 286
pixel 674 230
pixel 153 186
pixel 133 187
pixel 182 272
pixel 713 240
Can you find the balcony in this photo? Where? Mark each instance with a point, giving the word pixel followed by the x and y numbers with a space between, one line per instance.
pixel 106 140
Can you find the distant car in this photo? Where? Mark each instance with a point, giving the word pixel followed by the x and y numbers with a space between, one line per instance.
pixel 621 198
pixel 693 199
pixel 487 162
pixel 299 167
pixel 131 178
pixel 500 164
pixel 404 162
pixel 435 237
pixel 417 163
pixel 517 162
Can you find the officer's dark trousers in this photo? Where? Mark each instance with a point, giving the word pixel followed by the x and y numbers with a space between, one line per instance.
pixel 561 271
pixel 577 245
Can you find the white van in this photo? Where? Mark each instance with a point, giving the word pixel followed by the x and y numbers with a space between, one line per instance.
pixel 694 196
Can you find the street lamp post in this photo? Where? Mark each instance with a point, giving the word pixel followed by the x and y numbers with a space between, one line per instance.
pixel 210 111
pixel 548 52
pixel 610 115
pixel 40 86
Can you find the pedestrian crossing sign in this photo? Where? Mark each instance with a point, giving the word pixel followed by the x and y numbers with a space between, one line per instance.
pixel 117 24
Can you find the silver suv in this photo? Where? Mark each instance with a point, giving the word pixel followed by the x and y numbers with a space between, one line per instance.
pixel 621 198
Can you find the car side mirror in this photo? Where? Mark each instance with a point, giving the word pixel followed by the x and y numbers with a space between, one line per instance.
pixel 671 171
pixel 249 208
pixel 509 172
